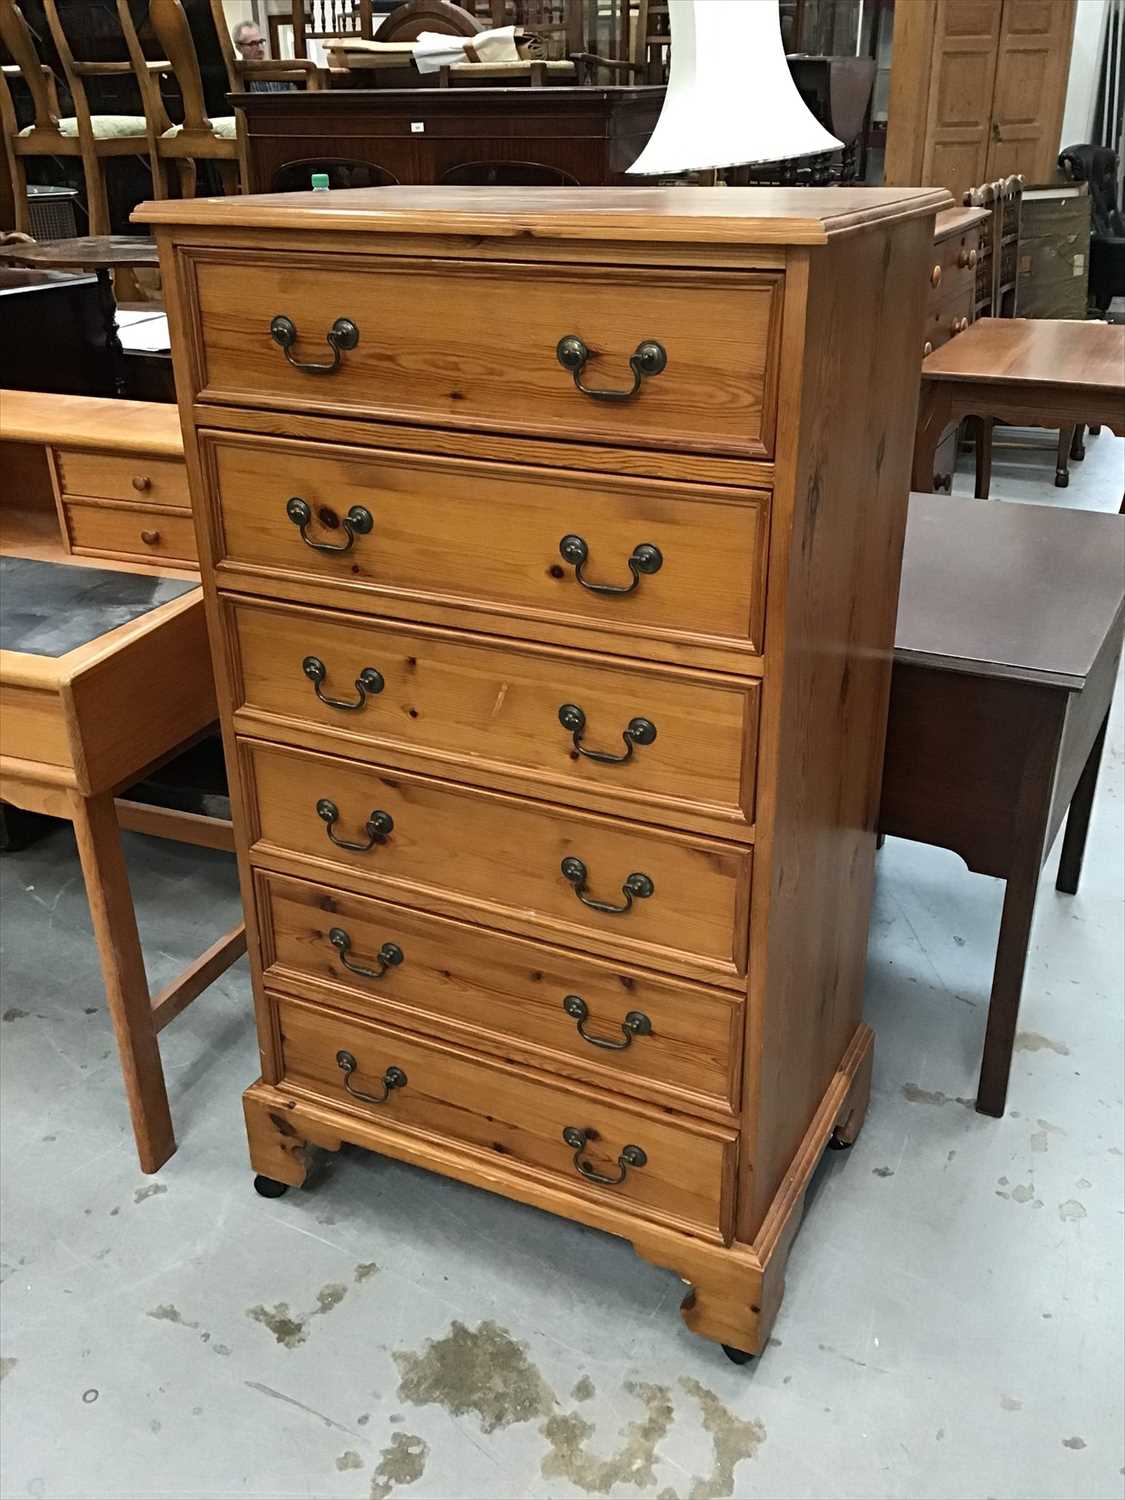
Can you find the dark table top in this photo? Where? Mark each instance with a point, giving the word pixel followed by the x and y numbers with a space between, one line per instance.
pixel 998 589
pixel 97 252
pixel 48 609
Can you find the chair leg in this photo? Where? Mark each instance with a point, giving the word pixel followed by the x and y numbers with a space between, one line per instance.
pixel 21 213
pixel 1094 429
pixel 189 176
pixel 1062 473
pixel 97 202
pixel 228 176
pixel 123 971
pixel 983 457
pixel 1077 446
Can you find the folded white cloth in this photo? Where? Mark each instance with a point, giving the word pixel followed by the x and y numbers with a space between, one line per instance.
pixel 434 50
pixel 224 126
pixel 103 127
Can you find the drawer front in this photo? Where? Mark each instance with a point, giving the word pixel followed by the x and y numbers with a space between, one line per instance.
pixel 111 476
pixel 467 344
pixel 678 741
pixel 945 321
pixel 517 1118
pixel 643 1035
pixel 490 535
pixel 955 259
pixel 130 531
pixel 499 859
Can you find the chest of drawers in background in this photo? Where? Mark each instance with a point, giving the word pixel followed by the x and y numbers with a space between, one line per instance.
pixel 551 547
pixel 950 302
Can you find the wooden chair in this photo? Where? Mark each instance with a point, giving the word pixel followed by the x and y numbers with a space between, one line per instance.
pixel 243 73
pixel 199 138
pixel 91 137
pixel 643 47
pixel 317 20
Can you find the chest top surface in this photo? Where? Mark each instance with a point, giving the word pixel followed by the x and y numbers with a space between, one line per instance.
pixel 733 216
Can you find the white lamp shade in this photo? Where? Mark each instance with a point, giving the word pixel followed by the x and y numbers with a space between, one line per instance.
pixel 731 99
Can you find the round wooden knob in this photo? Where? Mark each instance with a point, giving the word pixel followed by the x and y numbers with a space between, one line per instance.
pixel 935 276
pixel 927 348
pixel 142 482
pixel 967 258
pixel 150 538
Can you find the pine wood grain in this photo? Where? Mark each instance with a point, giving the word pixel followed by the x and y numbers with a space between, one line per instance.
pixel 504 994
pixel 425 355
pixel 518 1116
pixel 498 858
pixel 464 706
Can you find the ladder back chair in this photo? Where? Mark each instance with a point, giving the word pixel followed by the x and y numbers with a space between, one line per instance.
pixel 90 136
pixel 199 138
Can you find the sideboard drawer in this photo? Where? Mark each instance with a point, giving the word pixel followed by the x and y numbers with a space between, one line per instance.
pixel 679 1172
pixel 681 741
pixel 678 901
pixel 643 1035
pixel 131 531
pixel 111 476
pixel 473 345
pixel 491 536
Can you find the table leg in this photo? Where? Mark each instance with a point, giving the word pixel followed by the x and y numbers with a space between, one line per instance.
pixel 933 411
pixel 1078 818
pixel 123 971
pixel 1030 817
pixel 114 352
pixel 983 446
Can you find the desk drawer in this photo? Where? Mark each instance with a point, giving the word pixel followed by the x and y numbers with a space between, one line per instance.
pixel 490 536
pixel 498 860
pixel 485 705
pixel 112 476
pixel 502 994
pixel 130 531
pixel 680 1172
pixel 473 345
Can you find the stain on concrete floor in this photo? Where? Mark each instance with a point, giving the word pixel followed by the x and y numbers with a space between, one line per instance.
pixel 403 1463
pixel 483 1371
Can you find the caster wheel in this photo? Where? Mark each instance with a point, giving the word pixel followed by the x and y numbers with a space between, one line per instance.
pixel 266 1187
pixel 836 1142
pixel 737 1356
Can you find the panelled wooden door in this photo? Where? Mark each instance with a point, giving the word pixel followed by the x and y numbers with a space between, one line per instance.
pixel 958 126
pixel 1032 66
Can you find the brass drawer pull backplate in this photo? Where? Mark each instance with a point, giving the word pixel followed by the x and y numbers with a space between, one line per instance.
pixel 393 1078
pixel 367 684
pixel 636 1023
pixel 390 955
pixel 648 359
pixel 637 887
pixel 631 1156
pixel 636 732
pixel 357 522
pixel 379 824
pixel 645 559
pixel 342 336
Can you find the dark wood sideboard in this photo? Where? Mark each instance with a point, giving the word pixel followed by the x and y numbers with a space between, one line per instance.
pixel 379 137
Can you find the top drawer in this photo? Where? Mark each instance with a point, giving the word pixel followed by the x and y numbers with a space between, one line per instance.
pixel 466 344
pixel 139 479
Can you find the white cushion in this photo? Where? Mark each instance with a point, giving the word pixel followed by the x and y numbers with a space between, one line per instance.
pixel 224 127
pixel 104 127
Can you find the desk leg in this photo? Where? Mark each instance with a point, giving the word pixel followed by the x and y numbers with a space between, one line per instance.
pixel 123 971
pixel 1030 817
pixel 983 455
pixel 933 412
pixel 1078 819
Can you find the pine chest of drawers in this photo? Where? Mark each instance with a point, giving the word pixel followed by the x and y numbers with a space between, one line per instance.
pixel 551 545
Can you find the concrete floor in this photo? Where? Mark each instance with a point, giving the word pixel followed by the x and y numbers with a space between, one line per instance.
pixel 953 1320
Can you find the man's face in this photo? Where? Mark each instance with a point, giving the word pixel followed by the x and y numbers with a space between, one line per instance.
pixel 250 43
